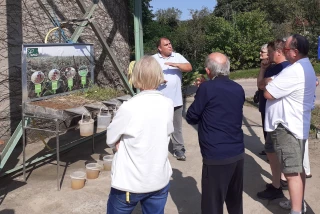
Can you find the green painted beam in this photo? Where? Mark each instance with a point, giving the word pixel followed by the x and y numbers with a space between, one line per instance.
pixel 138 30
pixel 11 144
pixel 53 153
pixel 75 36
pixel 106 47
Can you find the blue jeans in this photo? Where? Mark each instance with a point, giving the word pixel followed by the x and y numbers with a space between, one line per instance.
pixel 151 203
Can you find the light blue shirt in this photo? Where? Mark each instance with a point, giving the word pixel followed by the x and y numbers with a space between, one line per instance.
pixel 173 76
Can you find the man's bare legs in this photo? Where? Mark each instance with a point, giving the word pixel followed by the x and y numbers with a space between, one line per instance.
pixel 275 169
pixel 273 190
pixel 296 185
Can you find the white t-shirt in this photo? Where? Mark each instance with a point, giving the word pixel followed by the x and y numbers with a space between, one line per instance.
pixel 143 124
pixel 173 75
pixel 293 89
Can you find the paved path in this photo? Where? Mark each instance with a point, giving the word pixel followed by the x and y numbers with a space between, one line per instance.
pixel 39 195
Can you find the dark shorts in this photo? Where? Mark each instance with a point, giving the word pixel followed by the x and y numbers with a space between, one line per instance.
pixel 268 146
pixel 289 149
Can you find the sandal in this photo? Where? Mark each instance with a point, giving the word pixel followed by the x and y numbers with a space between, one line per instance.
pixel 309 176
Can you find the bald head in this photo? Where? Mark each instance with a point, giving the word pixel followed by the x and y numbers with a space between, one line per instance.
pixel 217 64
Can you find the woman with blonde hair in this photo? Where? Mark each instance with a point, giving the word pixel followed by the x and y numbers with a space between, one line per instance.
pixel 140 132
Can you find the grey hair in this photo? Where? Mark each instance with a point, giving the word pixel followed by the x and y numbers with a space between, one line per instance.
pixel 264 47
pixel 217 68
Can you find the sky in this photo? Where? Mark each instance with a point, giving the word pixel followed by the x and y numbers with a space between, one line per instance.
pixel 183 5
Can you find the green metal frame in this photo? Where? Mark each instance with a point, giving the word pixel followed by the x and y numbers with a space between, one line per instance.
pixel 75 36
pixel 106 47
pixel 138 33
pixel 63 149
pixel 11 144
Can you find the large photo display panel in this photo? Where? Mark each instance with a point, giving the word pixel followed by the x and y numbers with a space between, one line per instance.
pixel 51 69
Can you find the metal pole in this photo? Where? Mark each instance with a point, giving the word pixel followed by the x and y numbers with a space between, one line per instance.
pixel 60 33
pixel 138 31
pixel 93 144
pixel 23 148
pixel 58 153
pixel 92 139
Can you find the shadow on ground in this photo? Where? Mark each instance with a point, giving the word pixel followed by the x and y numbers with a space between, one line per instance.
pixel 83 151
pixel 184 193
pixel 253 172
pixel 7 211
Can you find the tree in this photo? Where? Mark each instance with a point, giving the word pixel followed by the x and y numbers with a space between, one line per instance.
pixel 191 38
pixel 191 42
pixel 227 8
pixel 240 39
pixel 165 24
pixel 168 16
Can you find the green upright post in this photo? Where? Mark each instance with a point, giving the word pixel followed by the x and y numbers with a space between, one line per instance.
pixel 138 31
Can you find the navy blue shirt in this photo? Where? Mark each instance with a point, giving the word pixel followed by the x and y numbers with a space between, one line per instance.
pixel 272 71
pixel 217 109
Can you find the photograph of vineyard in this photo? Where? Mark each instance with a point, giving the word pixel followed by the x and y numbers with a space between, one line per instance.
pixel 65 64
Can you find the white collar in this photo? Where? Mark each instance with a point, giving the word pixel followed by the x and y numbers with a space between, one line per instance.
pixel 160 56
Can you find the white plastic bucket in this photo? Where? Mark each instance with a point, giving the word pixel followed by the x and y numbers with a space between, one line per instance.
pixel 114 111
pixel 107 162
pixel 86 127
pixel 93 170
pixel 103 121
pixel 78 179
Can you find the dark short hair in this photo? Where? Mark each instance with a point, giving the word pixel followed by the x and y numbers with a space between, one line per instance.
pixel 277 44
pixel 158 43
pixel 300 43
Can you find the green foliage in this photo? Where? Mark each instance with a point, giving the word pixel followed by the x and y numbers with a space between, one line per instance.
pixel 244 74
pixel 168 16
pixel 239 39
pixel 189 78
pixel 190 38
pixel 147 19
pixel 316 67
pixel 315 119
pixel 237 28
pixel 227 8
pixel 99 94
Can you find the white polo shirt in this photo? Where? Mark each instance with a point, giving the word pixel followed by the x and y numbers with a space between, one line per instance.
pixel 293 89
pixel 173 76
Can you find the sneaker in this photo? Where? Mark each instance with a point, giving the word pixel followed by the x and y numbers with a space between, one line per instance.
pixel 284 184
pixel 287 205
pixel 179 155
pixel 262 153
pixel 270 193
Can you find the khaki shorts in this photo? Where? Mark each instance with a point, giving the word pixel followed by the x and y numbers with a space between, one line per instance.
pixel 289 149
